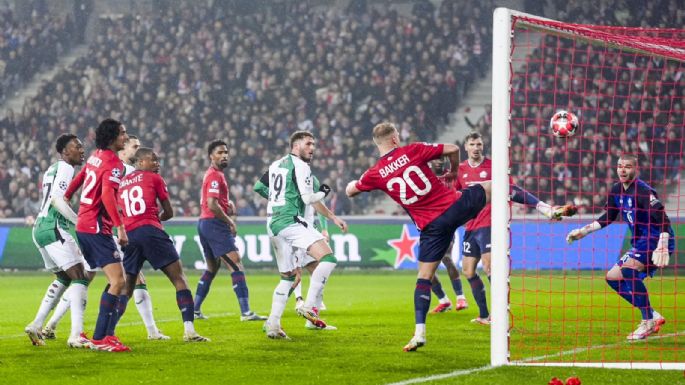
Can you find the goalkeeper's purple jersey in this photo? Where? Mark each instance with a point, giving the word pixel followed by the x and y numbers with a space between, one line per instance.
pixel 639 206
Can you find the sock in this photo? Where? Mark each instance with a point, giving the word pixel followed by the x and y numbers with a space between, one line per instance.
pixel 437 290
pixel 60 310
pixel 119 312
pixel 639 297
pixel 522 196
pixel 279 300
pixel 108 305
pixel 184 300
pixel 50 299
pixel 420 330
pixel 144 305
pixel 241 291
pixel 319 278
pixel 478 290
pixel 422 300
pixel 298 290
pixel 78 296
pixel 456 285
pixel 203 288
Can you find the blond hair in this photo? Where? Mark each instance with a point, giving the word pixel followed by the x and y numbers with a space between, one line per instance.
pixel 383 131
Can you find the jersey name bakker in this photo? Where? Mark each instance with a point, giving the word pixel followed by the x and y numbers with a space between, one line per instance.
pixel 138 195
pixel 404 174
pixel 102 168
pixel 468 175
pixel 214 185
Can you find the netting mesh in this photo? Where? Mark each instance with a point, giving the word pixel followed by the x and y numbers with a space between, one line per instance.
pixel 626 86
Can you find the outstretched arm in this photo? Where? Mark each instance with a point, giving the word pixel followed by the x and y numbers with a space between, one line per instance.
pixel 605 220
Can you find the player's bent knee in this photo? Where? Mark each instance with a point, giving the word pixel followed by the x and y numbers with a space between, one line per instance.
pixel 629 274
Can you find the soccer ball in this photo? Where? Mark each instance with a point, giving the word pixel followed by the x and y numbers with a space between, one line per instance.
pixel 563 124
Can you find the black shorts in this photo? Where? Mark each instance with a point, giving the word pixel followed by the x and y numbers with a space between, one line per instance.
pixel 476 242
pixel 99 250
pixel 435 238
pixel 148 243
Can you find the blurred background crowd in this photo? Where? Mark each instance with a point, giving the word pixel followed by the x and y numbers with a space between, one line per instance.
pixel 184 75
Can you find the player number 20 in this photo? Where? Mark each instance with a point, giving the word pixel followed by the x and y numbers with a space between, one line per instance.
pixel 133 201
pixel 406 180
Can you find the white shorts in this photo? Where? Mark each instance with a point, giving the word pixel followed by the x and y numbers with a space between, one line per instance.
pixel 60 256
pixel 291 244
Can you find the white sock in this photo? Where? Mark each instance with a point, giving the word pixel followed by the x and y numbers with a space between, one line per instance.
pixel 420 330
pixel 144 306
pixel 317 283
pixel 189 327
pixel 78 296
pixel 544 209
pixel 60 310
pixel 461 296
pixel 444 299
pixel 280 299
pixel 298 290
pixel 50 299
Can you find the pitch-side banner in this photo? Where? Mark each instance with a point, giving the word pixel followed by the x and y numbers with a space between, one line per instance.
pixel 386 242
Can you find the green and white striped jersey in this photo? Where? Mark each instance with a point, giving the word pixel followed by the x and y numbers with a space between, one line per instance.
pixel 289 178
pixel 55 182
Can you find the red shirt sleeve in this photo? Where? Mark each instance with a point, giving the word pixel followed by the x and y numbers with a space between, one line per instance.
pixel 367 182
pixel 160 188
pixel 75 183
pixel 426 151
pixel 214 186
pixel 109 200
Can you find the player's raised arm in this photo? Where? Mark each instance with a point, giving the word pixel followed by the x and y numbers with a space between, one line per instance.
pixel 452 153
pixel 351 190
pixel 75 184
pixel 605 220
pixel 261 187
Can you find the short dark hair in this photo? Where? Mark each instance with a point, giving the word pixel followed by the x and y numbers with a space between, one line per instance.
pixel 106 133
pixel 632 157
pixel 142 152
pixel 214 144
pixel 62 142
pixel 474 135
pixel 297 135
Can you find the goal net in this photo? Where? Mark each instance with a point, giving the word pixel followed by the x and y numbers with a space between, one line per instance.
pixel 551 302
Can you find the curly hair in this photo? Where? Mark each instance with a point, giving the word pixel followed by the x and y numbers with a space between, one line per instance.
pixel 106 133
pixel 214 144
pixel 63 141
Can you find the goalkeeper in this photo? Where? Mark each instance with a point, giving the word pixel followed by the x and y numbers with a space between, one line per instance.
pixel 652 241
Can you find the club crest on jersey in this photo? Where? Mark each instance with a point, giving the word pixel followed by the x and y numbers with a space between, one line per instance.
pixel 63 185
pixel 483 174
pixel 653 200
pixel 630 202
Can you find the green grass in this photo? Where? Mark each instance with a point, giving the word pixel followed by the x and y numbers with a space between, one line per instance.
pixel 374 313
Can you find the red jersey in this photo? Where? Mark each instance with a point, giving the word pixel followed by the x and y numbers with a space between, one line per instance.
pixel 213 186
pixel 138 195
pixel 404 174
pixel 467 175
pixel 96 214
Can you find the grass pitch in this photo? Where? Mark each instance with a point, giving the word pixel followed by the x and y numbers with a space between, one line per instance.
pixel 373 311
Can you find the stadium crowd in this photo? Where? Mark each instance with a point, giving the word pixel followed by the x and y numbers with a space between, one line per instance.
pixel 625 102
pixel 29 46
pixel 185 77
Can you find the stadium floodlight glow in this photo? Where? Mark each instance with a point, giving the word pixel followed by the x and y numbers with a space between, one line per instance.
pixel 551 305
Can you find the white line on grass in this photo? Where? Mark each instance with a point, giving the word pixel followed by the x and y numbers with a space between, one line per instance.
pixel 463 372
pixel 215 315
